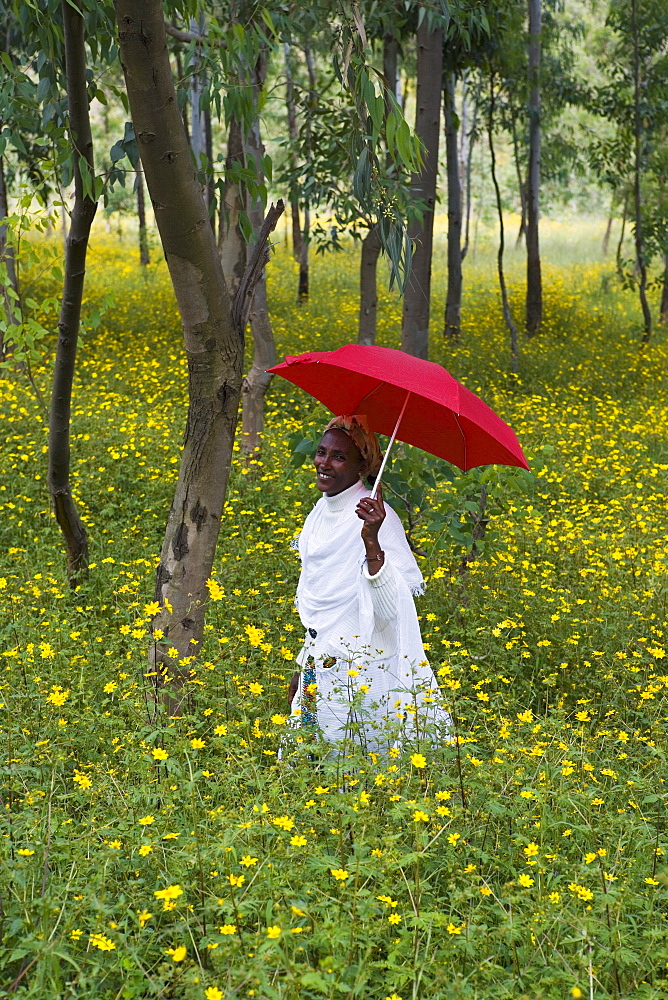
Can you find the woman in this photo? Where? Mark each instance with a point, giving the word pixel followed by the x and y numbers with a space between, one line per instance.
pixel 364 675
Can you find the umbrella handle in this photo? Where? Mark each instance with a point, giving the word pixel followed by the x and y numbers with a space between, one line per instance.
pixel 388 449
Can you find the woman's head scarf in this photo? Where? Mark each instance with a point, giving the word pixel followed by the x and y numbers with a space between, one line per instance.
pixel 357 429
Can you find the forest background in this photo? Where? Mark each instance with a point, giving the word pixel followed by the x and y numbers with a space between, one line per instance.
pixel 505 165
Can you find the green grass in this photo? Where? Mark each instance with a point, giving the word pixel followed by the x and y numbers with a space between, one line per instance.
pixel 540 868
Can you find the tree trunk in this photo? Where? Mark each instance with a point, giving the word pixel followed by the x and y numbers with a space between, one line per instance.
pixel 302 285
pixel 144 257
pixel 453 298
pixel 521 186
pixel 608 229
pixel 622 234
pixel 8 259
pixel 213 341
pixel 415 319
pixel 469 171
pixel 293 133
pixel 371 246
pixel 303 282
pixel 368 292
pixel 663 311
pixel 507 315
pixel 83 213
pixel 231 242
pixel 210 186
pixel 534 303
pixel 637 172
pixel 258 380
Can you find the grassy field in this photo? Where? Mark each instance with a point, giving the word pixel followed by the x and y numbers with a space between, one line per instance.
pixel 182 858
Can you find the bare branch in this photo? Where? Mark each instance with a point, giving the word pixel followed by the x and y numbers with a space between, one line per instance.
pixel 258 261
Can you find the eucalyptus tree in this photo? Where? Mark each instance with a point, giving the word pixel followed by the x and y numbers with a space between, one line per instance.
pixel 634 98
pixel 534 298
pixel 417 297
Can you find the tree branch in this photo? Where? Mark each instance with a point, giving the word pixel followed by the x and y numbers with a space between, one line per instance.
pixel 258 261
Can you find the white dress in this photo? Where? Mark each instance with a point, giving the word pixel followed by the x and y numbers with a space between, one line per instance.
pixel 364 671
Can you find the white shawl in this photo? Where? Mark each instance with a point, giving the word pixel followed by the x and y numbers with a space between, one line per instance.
pixel 332 585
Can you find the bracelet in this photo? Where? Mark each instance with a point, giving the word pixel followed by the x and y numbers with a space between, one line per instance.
pixel 375 558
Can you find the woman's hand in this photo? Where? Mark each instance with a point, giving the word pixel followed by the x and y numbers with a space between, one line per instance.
pixel 293 687
pixel 372 513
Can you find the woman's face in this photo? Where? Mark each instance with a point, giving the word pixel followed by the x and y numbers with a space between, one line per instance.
pixel 338 463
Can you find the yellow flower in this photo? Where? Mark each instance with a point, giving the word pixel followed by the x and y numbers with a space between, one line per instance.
pixel 526 881
pixel 159 754
pixel 394 918
pixel 274 932
pixel 144 917
pixel 577 992
pixel 255 635
pixel 418 760
pixel 178 954
pixel 531 849
pixel 284 822
pixel 453 929
pixel 151 609
pixel 340 874
pixel 197 743
pixel 485 890
pixel 144 850
pixel 227 929
pixel 216 592
pixel 102 942
pixel 111 686
pixel 298 841
pixel 58 696
pixel 247 861
pixel 171 892
pixel 237 880
pixel 220 730
pixel 279 720
pixel 393 996
pixel 146 820
pixel 213 993
pixel 420 816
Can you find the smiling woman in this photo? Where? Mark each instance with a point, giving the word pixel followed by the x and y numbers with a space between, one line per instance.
pixel 365 675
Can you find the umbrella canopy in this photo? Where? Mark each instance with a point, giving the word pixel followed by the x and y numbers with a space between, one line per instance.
pixel 436 412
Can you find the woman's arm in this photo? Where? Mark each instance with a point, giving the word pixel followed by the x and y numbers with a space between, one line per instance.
pixel 372 513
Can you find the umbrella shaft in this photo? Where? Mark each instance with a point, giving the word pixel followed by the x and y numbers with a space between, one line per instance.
pixel 389 448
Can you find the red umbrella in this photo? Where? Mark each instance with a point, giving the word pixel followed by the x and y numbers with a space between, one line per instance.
pixel 400 395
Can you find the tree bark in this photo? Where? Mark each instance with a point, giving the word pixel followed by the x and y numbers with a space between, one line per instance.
pixel 144 256
pixel 371 246
pixel 303 281
pixel 521 186
pixel 257 382
pixel 507 315
pixel 8 259
pixel 83 213
pixel 368 290
pixel 453 297
pixel 415 319
pixel 293 133
pixel 213 341
pixel 231 242
pixel 534 303
pixel 469 163
pixel 637 173
pixel 663 311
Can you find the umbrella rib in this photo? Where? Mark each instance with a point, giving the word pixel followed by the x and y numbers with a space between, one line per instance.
pixel 456 416
pixel 370 393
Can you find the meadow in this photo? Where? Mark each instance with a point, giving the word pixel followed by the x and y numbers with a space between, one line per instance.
pixel 182 858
